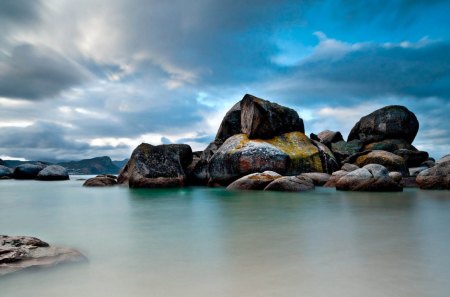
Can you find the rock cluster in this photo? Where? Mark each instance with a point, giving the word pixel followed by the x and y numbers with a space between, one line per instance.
pixel 22 252
pixel 38 171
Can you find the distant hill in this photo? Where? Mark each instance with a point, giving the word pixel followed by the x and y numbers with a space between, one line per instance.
pixel 15 163
pixel 120 164
pixel 99 165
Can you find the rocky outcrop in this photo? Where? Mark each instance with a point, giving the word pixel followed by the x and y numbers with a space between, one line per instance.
pixel 22 252
pixel 231 124
pixel 436 177
pixel 157 166
pixel 413 158
pixel 372 177
pixel 328 137
pixel 53 172
pixel 5 172
pixel 101 181
pixel 262 119
pixel 291 184
pixel 390 122
pixel 255 181
pixel 288 154
pixel 389 160
pixel 28 171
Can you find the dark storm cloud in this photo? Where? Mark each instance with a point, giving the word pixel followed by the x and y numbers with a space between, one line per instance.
pixel 31 72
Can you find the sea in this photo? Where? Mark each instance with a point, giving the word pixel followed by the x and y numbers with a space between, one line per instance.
pixel 211 242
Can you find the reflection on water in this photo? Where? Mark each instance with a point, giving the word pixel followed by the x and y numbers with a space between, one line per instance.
pixel 210 242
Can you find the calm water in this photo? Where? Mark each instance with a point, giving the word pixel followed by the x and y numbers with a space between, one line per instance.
pixel 209 242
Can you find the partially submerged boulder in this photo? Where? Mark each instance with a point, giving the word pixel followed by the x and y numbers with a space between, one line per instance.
pixel 436 177
pixel 288 154
pixel 28 171
pixel 157 166
pixel 101 181
pixel 318 178
pixel 254 181
pixel 262 119
pixel 291 184
pixel 53 172
pixel 5 172
pixel 372 177
pixel 22 252
pixel 389 122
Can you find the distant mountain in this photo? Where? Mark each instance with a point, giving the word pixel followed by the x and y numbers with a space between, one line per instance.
pixel 15 163
pixel 99 165
pixel 120 164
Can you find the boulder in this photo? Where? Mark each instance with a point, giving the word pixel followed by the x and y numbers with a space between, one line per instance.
pixel 390 122
pixel 318 178
pixel 197 172
pixel 262 119
pixel 158 166
pixel 5 172
pixel 329 163
pixel 389 145
pixel 28 171
pixel 288 154
pixel 231 124
pixel 254 181
pixel 389 160
pixel 328 137
pixel 412 158
pixel 22 252
pixel 101 181
pixel 291 184
pixel 53 172
pixel 416 170
pixel 342 150
pixel 349 167
pixel 429 163
pixel 335 176
pixel 372 178
pixel 396 176
pixel 436 177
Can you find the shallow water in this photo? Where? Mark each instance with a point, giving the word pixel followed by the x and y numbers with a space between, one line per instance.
pixel 210 242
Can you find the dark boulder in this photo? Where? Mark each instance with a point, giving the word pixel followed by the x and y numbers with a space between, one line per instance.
pixel 254 181
pixel 389 160
pixel 389 145
pixel 264 120
pixel 28 171
pixel 53 172
pixel 436 177
pixel 101 181
pixel 412 158
pixel 22 252
pixel 231 123
pixel 390 122
pixel 342 150
pixel 328 137
pixel 291 184
pixel 157 166
pixel 197 171
pixel 5 172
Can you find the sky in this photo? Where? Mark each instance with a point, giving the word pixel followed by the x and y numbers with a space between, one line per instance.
pixel 87 78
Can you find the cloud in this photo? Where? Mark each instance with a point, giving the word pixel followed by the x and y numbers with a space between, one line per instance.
pixel 31 72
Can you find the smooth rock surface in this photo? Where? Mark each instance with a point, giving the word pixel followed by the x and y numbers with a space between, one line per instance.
pixel 254 181
pixel 436 177
pixel 291 184
pixel 389 160
pixel 28 171
pixel 318 178
pixel 53 172
pixel 101 181
pixel 371 178
pixel 328 137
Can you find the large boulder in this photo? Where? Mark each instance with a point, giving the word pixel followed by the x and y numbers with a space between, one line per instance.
pixel 158 166
pixel 390 145
pixel 390 122
pixel 372 178
pixel 262 119
pixel 328 137
pixel 5 172
pixel 342 149
pixel 28 171
pixel 197 171
pixel 318 178
pixel 291 184
pixel 389 160
pixel 254 181
pixel 413 158
pixel 436 177
pixel 231 123
pixel 53 172
pixel 288 154
pixel 22 252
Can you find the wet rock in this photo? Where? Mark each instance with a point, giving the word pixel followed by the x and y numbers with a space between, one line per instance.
pixel 390 122
pixel 22 252
pixel 255 181
pixel 436 177
pixel 262 119
pixel 101 181
pixel 372 178
pixel 318 178
pixel 5 172
pixel 28 171
pixel 291 184
pixel 158 166
pixel 53 172
pixel 288 154
pixel 412 158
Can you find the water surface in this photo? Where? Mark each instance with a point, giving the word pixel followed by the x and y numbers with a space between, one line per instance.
pixel 210 242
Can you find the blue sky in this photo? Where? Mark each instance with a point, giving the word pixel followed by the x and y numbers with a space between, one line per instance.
pixel 87 78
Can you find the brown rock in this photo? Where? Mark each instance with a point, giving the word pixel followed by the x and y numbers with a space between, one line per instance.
pixel 255 181
pixel 291 184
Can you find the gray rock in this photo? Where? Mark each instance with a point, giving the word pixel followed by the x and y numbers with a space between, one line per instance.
pixel 390 122
pixel 5 172
pixel 396 176
pixel 416 170
pixel 389 160
pixel 28 171
pixel 254 181
pixel 436 177
pixel 23 252
pixel 53 172
pixel 331 183
pixel 328 137
pixel 372 178
pixel 318 178
pixel 349 167
pixel 291 184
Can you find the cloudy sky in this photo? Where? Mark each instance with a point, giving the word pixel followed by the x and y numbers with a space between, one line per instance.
pixel 89 78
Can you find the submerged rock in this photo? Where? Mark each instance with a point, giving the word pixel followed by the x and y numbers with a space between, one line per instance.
pixel 389 122
pixel 254 181
pixel 22 252
pixel 28 171
pixel 101 181
pixel 291 184
pixel 158 166
pixel 436 177
pixel 53 172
